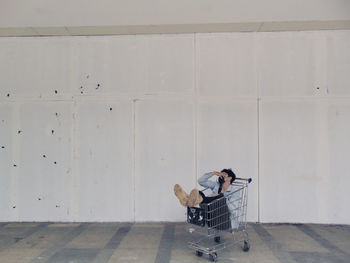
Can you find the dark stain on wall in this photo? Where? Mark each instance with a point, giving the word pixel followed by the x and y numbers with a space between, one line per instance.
pixel 53 132
pixel 17 239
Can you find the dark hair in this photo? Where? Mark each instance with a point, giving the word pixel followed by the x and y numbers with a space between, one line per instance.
pixel 230 174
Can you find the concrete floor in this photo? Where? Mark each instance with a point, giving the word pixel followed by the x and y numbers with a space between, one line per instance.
pixel 166 242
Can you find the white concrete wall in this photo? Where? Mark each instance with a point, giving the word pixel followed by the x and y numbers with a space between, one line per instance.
pixel 101 128
pixel 42 13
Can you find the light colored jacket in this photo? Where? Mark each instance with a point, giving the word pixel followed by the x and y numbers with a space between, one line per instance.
pixel 230 195
pixel 214 186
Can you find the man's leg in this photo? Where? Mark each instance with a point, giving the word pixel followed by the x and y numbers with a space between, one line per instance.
pixel 195 198
pixel 208 199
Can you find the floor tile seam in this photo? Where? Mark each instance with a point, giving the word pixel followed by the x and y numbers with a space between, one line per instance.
pixel 24 235
pixel 296 255
pixel 75 254
pixel 118 237
pixel 56 247
pixel 37 228
pixel 165 244
pixel 275 247
pixel 105 254
pixel 325 243
pixel 9 242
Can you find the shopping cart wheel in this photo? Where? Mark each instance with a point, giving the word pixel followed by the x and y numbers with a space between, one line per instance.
pixel 246 246
pixel 199 253
pixel 213 257
pixel 217 239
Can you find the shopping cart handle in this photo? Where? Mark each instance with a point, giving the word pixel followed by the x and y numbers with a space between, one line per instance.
pixel 249 180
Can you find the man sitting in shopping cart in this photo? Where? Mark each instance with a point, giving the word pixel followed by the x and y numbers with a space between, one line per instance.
pixel 221 187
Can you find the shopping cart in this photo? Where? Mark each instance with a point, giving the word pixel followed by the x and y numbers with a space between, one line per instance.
pixel 226 214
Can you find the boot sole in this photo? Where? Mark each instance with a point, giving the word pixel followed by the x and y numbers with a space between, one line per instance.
pixel 180 194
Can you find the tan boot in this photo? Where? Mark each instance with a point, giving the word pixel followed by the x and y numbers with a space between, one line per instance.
pixel 181 195
pixel 195 198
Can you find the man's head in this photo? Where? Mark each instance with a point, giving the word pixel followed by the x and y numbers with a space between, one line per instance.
pixel 229 173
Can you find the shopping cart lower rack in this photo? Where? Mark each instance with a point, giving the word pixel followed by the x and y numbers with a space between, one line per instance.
pixel 210 221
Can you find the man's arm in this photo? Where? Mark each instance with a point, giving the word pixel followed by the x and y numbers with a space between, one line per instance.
pixel 205 182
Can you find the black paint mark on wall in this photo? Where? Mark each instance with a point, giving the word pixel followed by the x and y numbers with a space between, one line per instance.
pixel 19 132
pixel 15 165
pixel 44 156
pixel 57 206
pixel 55 162
pixel 2 147
pixel 14 206
pixel 52 132
pixel 39 199
pixel 110 108
pixel 56 91
pixel 98 86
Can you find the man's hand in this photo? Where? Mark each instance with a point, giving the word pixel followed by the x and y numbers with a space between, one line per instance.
pixel 219 174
